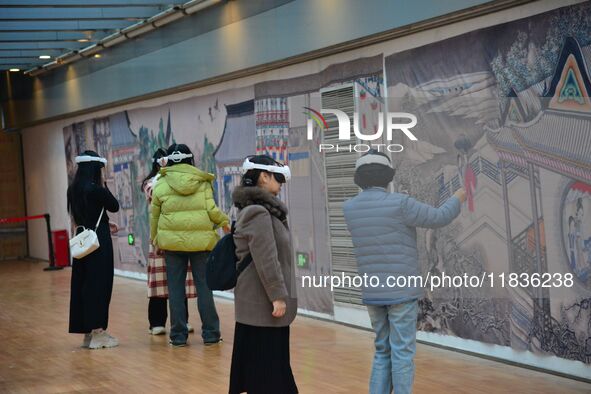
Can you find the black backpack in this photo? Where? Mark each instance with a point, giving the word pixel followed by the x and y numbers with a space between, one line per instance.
pixel 221 270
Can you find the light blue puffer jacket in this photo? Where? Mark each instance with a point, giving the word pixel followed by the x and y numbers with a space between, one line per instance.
pixel 382 226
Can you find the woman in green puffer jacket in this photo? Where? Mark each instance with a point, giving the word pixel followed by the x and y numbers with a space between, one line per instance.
pixel 183 223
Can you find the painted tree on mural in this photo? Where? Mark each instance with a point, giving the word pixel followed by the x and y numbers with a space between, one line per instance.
pixel 207 160
pixel 150 142
pixel 471 313
pixel 527 63
pixel 207 163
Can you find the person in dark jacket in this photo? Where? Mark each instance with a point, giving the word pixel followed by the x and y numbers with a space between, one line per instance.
pixel 92 275
pixel 265 294
pixel 383 230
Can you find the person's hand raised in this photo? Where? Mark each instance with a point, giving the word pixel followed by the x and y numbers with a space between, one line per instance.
pixel 461 195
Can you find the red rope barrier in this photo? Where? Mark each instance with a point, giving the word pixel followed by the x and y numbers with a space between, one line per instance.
pixel 47 218
pixel 16 220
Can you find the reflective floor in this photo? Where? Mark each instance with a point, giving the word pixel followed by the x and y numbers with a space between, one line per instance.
pixel 38 355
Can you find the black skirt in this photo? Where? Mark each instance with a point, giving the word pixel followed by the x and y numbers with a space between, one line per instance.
pixel 260 361
pixel 91 286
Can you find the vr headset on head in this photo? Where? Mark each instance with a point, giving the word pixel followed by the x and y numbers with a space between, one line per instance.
pixel 280 172
pixel 87 159
pixel 373 159
pixel 177 157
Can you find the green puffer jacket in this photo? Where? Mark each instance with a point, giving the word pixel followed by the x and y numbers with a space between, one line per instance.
pixel 183 212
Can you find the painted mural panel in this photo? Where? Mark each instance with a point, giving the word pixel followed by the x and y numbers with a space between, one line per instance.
pixel 221 129
pixel 281 136
pixel 198 122
pixel 128 140
pixel 504 112
pixel 282 109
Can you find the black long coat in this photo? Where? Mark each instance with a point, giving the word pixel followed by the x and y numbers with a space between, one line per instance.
pixel 92 276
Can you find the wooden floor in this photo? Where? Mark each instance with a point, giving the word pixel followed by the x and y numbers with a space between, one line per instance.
pixel 37 355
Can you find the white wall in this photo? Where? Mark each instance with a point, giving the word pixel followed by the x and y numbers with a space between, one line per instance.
pixel 45 183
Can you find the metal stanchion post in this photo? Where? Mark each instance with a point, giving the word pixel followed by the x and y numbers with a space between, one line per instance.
pixel 52 266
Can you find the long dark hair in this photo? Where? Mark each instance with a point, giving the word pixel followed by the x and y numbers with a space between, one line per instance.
pixel 155 166
pixel 182 148
pixel 86 174
pixel 251 177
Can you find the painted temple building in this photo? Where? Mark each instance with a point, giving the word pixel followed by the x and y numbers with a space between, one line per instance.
pixel 551 150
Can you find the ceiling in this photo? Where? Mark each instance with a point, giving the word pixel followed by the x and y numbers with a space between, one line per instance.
pixel 33 28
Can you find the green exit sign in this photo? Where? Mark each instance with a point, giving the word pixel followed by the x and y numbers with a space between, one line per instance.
pixel 130 239
pixel 302 260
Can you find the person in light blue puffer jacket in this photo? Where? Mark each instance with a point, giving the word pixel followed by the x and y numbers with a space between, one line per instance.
pixel 383 230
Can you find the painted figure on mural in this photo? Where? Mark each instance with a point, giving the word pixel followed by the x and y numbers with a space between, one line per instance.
pixel 465 171
pixel 581 258
pixel 572 242
pixel 577 230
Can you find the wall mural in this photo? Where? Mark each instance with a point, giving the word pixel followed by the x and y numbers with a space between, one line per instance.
pixel 503 112
pixel 128 141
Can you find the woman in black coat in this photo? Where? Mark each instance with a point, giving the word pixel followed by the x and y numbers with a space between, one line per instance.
pixel 92 275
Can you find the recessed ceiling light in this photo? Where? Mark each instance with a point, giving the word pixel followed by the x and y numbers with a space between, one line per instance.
pixel 83 40
pixel 97 55
pixel 44 57
pixel 15 70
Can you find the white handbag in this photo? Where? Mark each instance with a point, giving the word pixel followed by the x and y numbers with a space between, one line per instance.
pixel 86 242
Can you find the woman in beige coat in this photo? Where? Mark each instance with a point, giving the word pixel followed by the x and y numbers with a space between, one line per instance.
pixel 265 294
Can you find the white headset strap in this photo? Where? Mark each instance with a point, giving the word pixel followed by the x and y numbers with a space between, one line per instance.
pixel 277 169
pixel 372 159
pixel 86 159
pixel 99 219
pixel 177 156
pixel 265 167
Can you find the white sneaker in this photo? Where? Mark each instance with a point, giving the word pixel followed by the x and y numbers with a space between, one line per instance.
pixel 157 330
pixel 171 343
pixel 219 341
pixel 101 340
pixel 190 328
pixel 86 341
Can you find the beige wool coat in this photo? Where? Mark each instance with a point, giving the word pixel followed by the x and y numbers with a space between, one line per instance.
pixel 262 230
